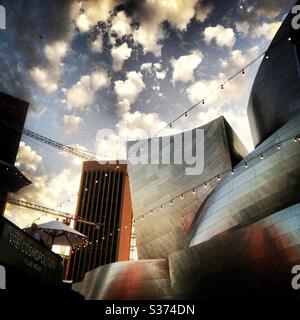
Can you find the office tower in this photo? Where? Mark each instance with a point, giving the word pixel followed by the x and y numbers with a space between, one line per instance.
pixel 104 199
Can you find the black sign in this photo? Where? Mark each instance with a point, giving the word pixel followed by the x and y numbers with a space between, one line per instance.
pixel 26 255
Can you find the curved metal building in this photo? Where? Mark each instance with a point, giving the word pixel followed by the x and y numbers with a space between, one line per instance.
pixel 275 96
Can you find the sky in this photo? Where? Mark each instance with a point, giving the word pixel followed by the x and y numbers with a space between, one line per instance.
pixel 123 68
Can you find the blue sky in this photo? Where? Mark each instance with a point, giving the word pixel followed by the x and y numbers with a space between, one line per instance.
pixel 100 64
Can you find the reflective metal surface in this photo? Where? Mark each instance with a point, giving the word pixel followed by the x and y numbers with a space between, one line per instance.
pixel 164 231
pixel 253 193
pixel 254 261
pixel 275 97
pixel 148 279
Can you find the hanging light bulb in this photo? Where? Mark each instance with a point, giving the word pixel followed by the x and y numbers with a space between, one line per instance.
pixel 262 157
pixel 194 191
pixel 171 202
pixel 278 146
pixel 161 208
pixel 171 125
pixel 219 178
pixel 243 72
pixel 186 114
pixel 205 185
pixel 203 101
pixel 232 171
pixel 151 211
pixel 289 38
pixel 295 139
pixel 222 87
pixel 246 165
pixel 267 56
pixel 182 197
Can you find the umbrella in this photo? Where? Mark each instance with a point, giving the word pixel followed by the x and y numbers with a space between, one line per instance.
pixel 57 233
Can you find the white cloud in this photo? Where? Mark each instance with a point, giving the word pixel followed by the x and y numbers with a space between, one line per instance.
pixel 121 25
pixel 119 55
pixel 81 95
pixel 161 74
pixel 267 30
pixel 239 59
pixel 128 90
pixel 150 33
pixel 132 126
pixel 27 159
pixel 94 12
pixel 184 66
pixel 203 10
pixel 146 66
pixel 47 77
pixel 224 37
pixel 210 91
pixel 97 44
pixel 72 124
pixel 243 28
pixel 44 190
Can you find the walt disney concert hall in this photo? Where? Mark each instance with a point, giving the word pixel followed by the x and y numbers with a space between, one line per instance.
pixel 234 230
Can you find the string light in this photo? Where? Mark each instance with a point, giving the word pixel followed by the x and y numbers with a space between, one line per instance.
pixel 182 197
pixel 243 72
pixel 219 178
pixel 276 145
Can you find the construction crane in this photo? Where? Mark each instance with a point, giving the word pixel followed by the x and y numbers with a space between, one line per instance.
pixel 46 210
pixel 71 150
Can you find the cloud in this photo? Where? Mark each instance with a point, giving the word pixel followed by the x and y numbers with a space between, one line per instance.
pixel 89 13
pixel 210 91
pixel 238 59
pixel 72 124
pixel 45 190
pixel 97 44
pixel 121 25
pixel 27 159
pixel 203 10
pixel 47 77
pixel 155 68
pixel 152 14
pixel 128 90
pixel 81 95
pixel 184 66
pixel 119 55
pixel 132 126
pixel 224 37
pixel 268 30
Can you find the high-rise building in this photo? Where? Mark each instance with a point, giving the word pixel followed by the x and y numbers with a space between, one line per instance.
pixel 104 199
pixel 12 117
